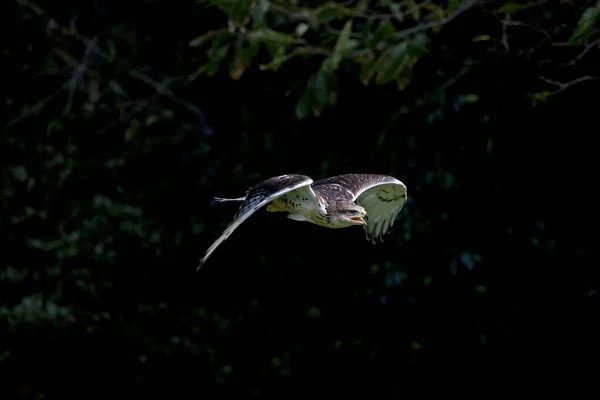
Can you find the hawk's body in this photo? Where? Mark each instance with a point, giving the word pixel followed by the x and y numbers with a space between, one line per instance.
pixel 336 202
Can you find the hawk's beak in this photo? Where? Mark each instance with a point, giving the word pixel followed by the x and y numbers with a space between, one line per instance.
pixel 363 219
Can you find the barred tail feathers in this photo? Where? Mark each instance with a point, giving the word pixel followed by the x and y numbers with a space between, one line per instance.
pixel 222 199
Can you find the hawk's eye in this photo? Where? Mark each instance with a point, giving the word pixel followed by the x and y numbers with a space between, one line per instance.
pixel 351 212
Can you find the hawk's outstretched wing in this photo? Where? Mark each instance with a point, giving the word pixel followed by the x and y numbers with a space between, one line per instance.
pixel 258 196
pixel 382 196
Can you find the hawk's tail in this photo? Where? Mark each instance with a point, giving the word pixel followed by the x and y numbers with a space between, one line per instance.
pixel 221 199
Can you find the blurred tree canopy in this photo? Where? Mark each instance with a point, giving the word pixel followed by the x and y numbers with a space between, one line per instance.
pixel 123 120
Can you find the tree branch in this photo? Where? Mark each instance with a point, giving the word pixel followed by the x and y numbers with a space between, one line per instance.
pixel 134 72
pixel 585 51
pixel 562 86
pixel 434 24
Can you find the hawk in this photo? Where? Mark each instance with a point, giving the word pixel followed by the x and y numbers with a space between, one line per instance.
pixel 369 200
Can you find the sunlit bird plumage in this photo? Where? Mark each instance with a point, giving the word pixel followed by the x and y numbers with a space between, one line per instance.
pixel 369 200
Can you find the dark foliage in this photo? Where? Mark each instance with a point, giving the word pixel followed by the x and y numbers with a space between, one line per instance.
pixel 111 155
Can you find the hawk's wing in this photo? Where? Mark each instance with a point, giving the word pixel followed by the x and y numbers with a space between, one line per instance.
pixel 382 196
pixel 258 196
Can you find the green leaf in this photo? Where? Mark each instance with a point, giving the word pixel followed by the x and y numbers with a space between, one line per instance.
pixel 216 54
pixel 361 6
pixel 5 354
pixel 212 66
pixel 367 71
pixel 413 8
pixel 227 369
pixel 151 119
pixel 481 288
pixel 313 312
pixel 344 36
pixel 365 30
pixel 331 11
pixel 542 95
pixel 259 12
pixel 438 14
pixel 275 49
pixel 396 11
pixel 200 40
pixel 453 6
pixel 318 95
pixel 332 97
pixel 269 35
pixel 245 54
pixel 20 173
pixel 276 362
pixel 417 47
pixel 384 31
pixel 240 11
pixel 303 104
pixel 427 280
pixel 364 56
pixel 489 145
pixel 586 26
pixel 237 11
pixel 50 65
pixel 514 7
pixel 343 45
pixel 249 52
pixel 391 63
pixel 301 29
pixel 278 61
pixel 471 98
pixel 132 129
pixel 320 91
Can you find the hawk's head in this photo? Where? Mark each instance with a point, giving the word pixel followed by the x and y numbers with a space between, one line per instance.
pixel 347 214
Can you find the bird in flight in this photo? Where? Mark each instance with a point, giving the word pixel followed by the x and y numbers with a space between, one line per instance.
pixel 369 200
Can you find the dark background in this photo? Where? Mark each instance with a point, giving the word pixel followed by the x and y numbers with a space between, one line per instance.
pixel 110 158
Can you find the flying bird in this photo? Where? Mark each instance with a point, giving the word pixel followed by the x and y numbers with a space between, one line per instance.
pixel 369 200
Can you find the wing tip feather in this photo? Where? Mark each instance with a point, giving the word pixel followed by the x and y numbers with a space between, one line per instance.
pixel 248 207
